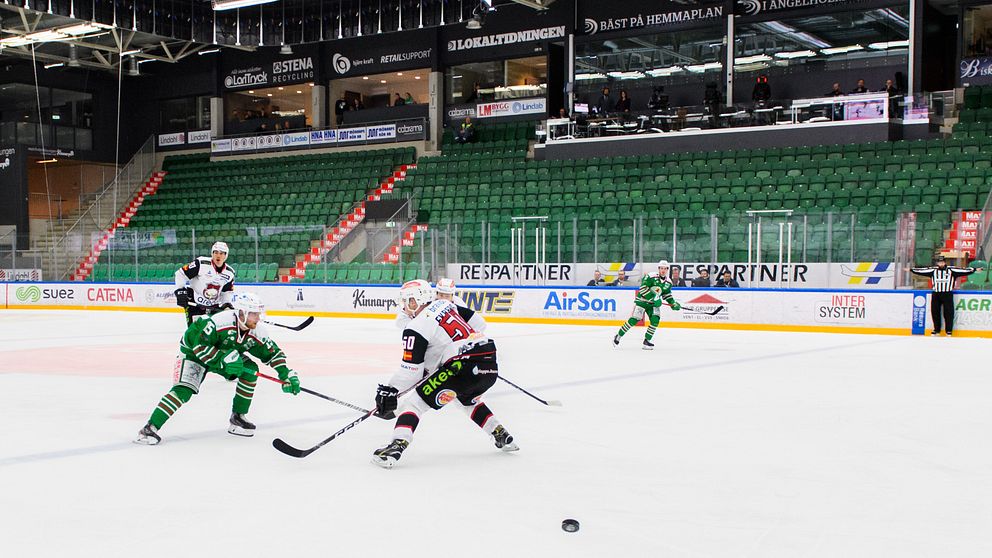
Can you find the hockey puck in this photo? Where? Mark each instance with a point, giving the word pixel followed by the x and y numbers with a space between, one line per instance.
pixel 570 525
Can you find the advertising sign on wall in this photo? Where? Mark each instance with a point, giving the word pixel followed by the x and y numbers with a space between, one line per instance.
pixel 851 275
pixel 20 275
pixel 171 139
pixel 607 17
pixel 266 67
pixel 405 50
pixel 512 108
pixel 893 312
pixel 976 71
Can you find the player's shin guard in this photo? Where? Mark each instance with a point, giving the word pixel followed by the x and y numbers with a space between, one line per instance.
pixel 652 328
pixel 169 404
pixel 243 394
pixel 626 326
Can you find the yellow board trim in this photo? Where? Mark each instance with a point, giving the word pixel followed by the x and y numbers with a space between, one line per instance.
pixel 553 321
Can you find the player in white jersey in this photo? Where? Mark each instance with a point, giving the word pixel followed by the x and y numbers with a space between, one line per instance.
pixel 205 285
pixel 445 289
pixel 444 360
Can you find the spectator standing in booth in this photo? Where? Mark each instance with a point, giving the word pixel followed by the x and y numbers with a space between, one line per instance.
pixel 942 280
pixel 357 104
pixel 860 88
pixel 605 104
pixel 466 132
pixel 703 280
pixel 597 280
pixel 340 106
pixel 562 113
pixel 835 92
pixel 727 281
pixel 623 103
pixel 676 278
pixel 398 101
pixel 409 99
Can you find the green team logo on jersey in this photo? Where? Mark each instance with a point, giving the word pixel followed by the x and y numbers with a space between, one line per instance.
pixel 28 294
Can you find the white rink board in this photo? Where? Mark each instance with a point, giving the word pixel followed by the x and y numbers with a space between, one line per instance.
pixel 804 310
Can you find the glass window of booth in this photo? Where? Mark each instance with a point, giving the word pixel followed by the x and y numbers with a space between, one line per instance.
pixel 63 116
pixel 804 57
pixel 392 89
pixel 274 109
pixel 977 33
pixel 674 67
pixel 496 80
pixel 186 114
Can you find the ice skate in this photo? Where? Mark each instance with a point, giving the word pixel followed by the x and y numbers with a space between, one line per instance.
pixel 148 435
pixel 648 346
pixel 240 426
pixel 504 440
pixel 386 457
pixel 616 341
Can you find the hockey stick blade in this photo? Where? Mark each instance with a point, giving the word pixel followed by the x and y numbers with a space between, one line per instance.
pixel 296 452
pixel 707 312
pixel 302 325
pixel 290 450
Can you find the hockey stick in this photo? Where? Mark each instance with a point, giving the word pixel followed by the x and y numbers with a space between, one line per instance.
pixel 289 450
pixel 302 325
pixel 548 403
pixel 708 313
pixel 301 453
pixel 320 395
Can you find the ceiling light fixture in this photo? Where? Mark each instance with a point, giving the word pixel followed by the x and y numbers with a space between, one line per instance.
pixel 700 68
pixel 842 50
pixel 752 59
pixel 56 65
pixel 890 44
pixel 220 5
pixel 208 51
pixel 789 55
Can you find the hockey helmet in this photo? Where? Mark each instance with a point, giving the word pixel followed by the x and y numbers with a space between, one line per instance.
pixel 445 286
pixel 246 303
pixel 663 263
pixel 418 290
pixel 219 247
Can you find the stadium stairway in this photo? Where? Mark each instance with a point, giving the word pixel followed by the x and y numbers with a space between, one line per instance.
pixel 320 248
pixel 85 267
pixel 407 240
pixel 268 210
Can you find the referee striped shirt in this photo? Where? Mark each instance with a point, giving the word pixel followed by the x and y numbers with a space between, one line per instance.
pixel 943 278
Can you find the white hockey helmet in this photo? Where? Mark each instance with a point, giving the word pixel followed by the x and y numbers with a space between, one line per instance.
pixel 219 247
pixel 663 263
pixel 419 290
pixel 445 286
pixel 245 303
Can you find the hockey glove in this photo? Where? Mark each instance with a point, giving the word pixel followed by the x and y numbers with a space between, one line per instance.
pixel 385 401
pixel 233 368
pixel 183 296
pixel 291 384
pixel 676 305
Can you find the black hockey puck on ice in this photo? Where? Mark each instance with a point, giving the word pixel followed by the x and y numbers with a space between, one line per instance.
pixel 570 525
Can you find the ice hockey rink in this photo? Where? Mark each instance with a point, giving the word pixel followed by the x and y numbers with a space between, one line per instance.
pixel 718 443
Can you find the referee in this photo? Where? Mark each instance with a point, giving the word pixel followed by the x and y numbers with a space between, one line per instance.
pixel 943 279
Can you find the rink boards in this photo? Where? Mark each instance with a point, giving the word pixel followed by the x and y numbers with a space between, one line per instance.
pixel 840 311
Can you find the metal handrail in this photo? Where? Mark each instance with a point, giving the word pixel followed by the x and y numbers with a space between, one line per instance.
pixel 406 207
pixel 111 185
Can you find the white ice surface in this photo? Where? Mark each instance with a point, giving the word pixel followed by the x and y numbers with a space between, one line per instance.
pixel 718 443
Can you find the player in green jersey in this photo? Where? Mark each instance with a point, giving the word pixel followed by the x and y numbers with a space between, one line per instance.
pixel 654 292
pixel 221 344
